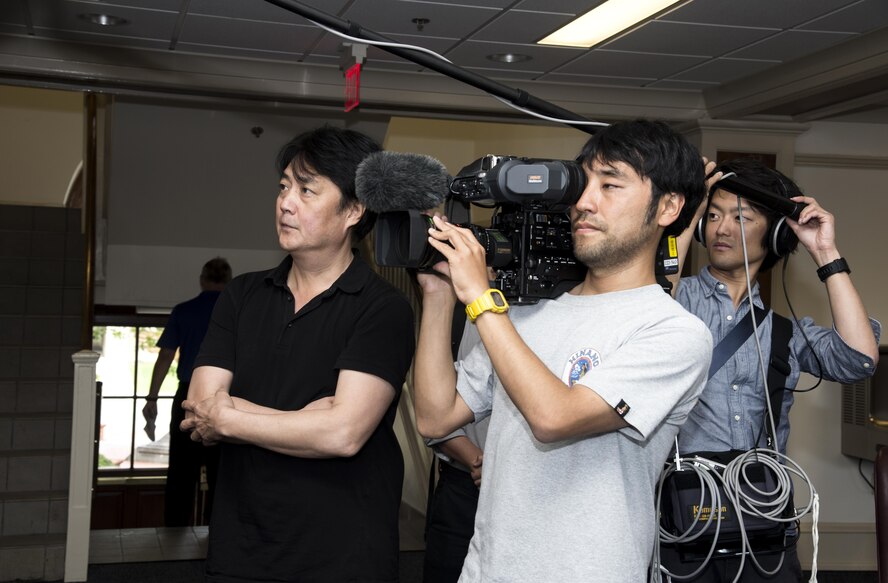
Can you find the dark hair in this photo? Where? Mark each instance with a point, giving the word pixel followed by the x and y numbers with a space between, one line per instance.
pixel 216 270
pixel 335 154
pixel 658 153
pixel 754 171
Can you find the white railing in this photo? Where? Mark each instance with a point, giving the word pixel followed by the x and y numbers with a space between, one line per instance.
pixel 80 484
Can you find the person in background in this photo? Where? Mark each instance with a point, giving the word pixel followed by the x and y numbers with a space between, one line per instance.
pixel 732 410
pixel 184 332
pixel 450 519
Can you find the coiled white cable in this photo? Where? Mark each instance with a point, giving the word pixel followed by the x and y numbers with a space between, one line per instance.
pixel 736 483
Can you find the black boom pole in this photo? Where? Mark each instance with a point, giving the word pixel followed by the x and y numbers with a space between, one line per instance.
pixel 514 96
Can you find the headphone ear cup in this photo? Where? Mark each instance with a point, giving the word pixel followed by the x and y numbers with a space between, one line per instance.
pixel 700 231
pixel 781 238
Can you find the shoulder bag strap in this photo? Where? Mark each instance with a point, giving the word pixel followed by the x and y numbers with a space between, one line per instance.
pixel 735 339
pixel 778 366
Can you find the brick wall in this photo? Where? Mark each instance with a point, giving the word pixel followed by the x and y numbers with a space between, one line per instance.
pixel 41 287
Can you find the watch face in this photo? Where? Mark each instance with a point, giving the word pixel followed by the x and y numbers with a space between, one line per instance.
pixel 498 300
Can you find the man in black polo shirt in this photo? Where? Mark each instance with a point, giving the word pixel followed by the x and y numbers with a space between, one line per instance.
pixel 298 381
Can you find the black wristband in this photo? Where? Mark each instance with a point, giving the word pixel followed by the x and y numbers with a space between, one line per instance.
pixel 833 267
pixel 150 398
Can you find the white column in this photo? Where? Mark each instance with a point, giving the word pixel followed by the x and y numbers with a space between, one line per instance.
pixel 80 485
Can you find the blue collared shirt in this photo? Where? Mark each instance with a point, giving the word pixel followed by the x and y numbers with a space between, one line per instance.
pixel 731 410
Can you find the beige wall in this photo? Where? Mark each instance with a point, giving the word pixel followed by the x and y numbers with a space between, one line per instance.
pixel 41 144
pixel 457 143
pixel 845 167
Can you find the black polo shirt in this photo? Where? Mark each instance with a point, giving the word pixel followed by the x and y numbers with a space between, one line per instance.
pixel 282 518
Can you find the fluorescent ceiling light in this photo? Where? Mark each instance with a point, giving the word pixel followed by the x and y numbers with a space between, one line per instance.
pixel 606 20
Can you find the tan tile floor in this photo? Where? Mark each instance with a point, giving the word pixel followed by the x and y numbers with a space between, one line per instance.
pixel 147 544
pixel 190 543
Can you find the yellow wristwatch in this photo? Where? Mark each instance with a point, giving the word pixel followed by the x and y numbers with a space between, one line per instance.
pixel 492 300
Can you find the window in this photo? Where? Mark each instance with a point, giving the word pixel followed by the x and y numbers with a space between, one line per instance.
pixel 126 343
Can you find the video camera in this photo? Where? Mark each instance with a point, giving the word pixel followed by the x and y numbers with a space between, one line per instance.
pixel 529 240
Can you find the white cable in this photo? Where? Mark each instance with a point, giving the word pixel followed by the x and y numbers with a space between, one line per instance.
pixel 547 118
pixel 815 498
pixel 755 335
pixel 736 483
pixel 815 536
pixel 377 43
pixel 707 484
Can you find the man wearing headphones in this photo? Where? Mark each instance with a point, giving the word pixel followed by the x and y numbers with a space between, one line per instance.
pixel 732 409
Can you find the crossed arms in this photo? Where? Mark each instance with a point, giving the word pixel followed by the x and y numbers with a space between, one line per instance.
pixel 336 426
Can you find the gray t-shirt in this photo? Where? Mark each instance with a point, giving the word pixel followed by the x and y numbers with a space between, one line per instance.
pixel 583 509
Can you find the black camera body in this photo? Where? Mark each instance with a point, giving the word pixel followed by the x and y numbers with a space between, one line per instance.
pixel 528 243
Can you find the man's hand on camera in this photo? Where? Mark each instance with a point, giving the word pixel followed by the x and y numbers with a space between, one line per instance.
pixel 436 281
pixel 466 264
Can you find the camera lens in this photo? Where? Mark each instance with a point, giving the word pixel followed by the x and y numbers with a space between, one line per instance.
pixel 497 247
pixel 402 240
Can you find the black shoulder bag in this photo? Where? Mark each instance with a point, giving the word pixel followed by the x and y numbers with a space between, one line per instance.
pixel 680 510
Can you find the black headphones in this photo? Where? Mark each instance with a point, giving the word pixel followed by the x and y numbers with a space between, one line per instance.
pixel 780 240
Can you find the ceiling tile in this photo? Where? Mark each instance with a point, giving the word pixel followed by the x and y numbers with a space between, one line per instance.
pixel 13 13
pixel 99 43
pixel 259 10
pixel 597 80
pixel 474 54
pixel 687 39
pixel 385 63
pixel 756 13
pixel 790 45
pixel 625 64
pixel 395 17
pixel 65 16
pixel 723 70
pixel 504 75
pixel 499 4
pixel 859 17
pixel 574 7
pixel 168 5
pixel 240 52
pixel 522 27
pixel 255 35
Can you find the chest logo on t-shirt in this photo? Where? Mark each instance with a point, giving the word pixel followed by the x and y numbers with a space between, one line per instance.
pixel 579 363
